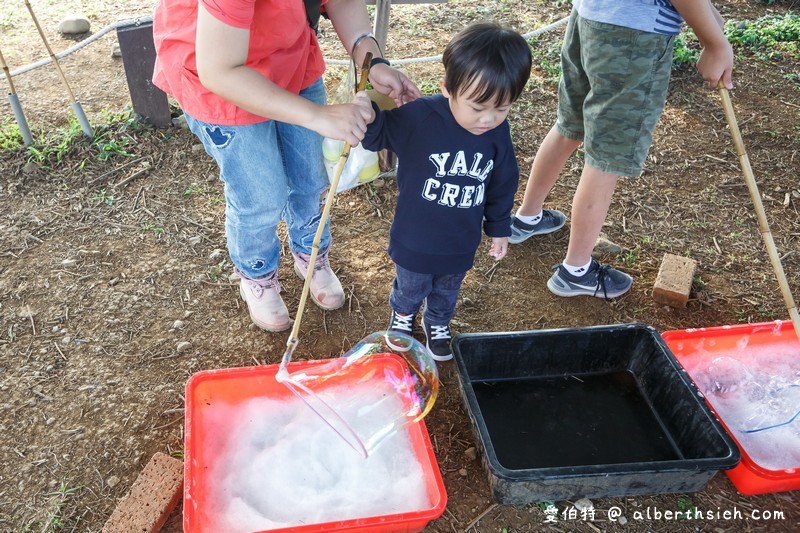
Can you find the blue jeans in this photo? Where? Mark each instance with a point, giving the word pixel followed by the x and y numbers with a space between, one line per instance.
pixel 271 171
pixel 409 289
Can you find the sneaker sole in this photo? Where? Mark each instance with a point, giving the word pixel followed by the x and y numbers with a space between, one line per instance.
pixel 555 289
pixel 518 240
pixel 265 327
pixel 319 304
pixel 433 355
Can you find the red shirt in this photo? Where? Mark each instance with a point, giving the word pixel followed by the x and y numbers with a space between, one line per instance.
pixel 283 48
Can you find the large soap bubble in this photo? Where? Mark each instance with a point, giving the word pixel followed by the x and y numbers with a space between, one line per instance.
pixel 395 364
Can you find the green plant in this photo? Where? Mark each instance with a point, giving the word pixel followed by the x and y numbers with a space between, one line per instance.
pixel 217 272
pixel 770 37
pixel 10 136
pixel 158 230
pixel 547 57
pixel 686 50
pixel 630 258
pixel 102 198
pixel 194 188
pixel 58 498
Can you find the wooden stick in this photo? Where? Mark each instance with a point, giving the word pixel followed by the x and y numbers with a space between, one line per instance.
pixel 293 341
pixel 76 106
pixel 766 234
pixel 15 105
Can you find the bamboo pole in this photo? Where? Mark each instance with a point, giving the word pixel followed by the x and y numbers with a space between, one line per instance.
pixel 15 105
pixel 752 186
pixel 293 341
pixel 75 104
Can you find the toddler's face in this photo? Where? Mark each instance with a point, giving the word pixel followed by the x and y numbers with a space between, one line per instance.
pixel 476 118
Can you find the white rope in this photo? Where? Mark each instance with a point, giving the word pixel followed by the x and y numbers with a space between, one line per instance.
pixel 147 19
pixel 528 36
pixel 118 24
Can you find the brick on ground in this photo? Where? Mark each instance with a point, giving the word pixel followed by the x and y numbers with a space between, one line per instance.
pixel 153 496
pixel 674 280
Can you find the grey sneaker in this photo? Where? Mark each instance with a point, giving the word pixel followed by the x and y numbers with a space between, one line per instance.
pixel 599 280
pixel 552 220
pixel 438 341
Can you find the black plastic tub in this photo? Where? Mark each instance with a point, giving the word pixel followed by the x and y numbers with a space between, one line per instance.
pixel 587 412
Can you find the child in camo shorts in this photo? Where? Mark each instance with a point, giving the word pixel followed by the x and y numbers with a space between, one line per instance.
pixel 616 61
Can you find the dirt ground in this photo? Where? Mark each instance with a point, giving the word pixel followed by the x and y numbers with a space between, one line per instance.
pixel 107 266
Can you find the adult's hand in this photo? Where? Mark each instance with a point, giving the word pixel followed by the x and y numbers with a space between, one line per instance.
pixel 346 122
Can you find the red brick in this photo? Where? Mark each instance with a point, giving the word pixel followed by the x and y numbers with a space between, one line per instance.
pixel 674 280
pixel 153 496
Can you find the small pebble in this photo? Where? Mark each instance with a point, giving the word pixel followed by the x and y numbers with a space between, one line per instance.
pixel 463 472
pixel 69 262
pixel 622 520
pixel 584 504
pixel 178 324
pixel 112 482
pixel 183 346
pixel 471 453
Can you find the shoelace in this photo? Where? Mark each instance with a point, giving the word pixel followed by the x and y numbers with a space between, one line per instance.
pixel 258 286
pixel 321 263
pixel 440 332
pixel 404 322
pixel 602 274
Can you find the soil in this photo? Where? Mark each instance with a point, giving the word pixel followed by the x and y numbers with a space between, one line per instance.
pixel 108 265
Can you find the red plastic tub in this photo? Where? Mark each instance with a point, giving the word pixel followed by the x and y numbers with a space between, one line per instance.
pixel 689 345
pixel 237 385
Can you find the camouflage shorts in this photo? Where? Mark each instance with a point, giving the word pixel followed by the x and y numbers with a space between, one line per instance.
pixel 612 92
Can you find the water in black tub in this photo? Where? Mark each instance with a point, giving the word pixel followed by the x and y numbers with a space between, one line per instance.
pixel 571 421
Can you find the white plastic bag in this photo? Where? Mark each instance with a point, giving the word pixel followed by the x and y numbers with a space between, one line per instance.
pixel 362 165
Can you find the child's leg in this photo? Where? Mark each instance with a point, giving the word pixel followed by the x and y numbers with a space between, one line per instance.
pixel 440 304
pixel 589 209
pixel 408 290
pixel 550 159
pixel 567 134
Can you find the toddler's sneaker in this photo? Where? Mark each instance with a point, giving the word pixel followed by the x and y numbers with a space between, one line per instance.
pixel 326 291
pixel 438 341
pixel 264 302
pixel 401 323
pixel 552 220
pixel 601 281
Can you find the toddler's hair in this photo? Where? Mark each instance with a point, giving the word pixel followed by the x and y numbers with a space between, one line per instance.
pixel 496 58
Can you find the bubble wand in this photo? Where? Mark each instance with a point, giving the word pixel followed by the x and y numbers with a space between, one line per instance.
pixel 76 106
pixel 293 341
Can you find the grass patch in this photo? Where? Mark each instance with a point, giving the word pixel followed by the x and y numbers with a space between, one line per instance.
pixel 769 37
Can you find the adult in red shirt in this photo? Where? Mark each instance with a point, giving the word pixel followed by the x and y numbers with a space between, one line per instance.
pixel 248 76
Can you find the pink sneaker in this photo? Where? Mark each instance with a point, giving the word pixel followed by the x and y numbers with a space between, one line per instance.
pixel 326 291
pixel 264 301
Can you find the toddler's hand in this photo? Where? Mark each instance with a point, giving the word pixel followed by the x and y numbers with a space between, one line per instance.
pixel 499 247
pixel 393 83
